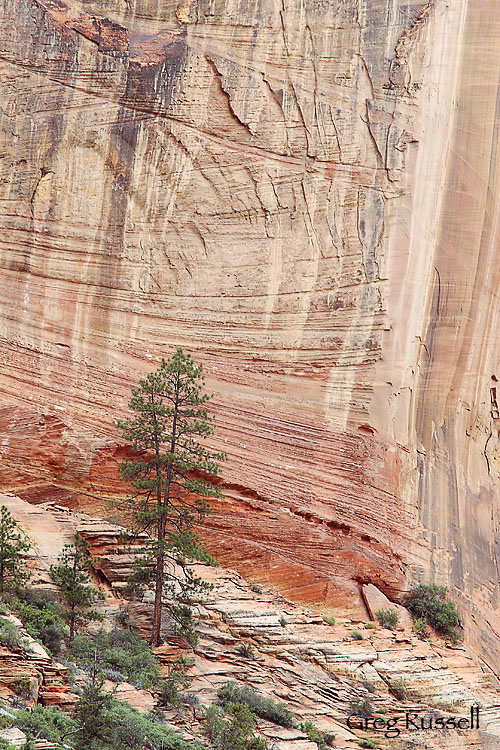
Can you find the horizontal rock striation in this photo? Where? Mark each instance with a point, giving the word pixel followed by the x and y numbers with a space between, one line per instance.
pixel 27 670
pixel 305 196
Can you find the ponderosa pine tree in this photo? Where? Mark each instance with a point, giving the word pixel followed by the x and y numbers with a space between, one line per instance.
pixel 13 545
pixel 71 575
pixel 173 473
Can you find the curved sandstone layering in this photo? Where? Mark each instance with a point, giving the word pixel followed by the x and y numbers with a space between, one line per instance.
pixel 304 195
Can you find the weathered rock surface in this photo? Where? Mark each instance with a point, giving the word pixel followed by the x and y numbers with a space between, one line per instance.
pixel 316 668
pixel 305 196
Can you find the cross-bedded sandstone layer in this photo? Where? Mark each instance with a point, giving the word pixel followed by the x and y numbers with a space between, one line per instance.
pixel 304 195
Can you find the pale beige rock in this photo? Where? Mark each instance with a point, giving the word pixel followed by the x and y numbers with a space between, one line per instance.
pixel 142 700
pixel 14 736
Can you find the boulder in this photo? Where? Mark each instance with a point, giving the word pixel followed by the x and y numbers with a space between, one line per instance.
pixel 375 600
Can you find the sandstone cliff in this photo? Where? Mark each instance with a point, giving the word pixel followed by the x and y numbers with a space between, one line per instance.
pixel 305 196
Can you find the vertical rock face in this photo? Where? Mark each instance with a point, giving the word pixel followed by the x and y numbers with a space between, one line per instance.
pixel 304 194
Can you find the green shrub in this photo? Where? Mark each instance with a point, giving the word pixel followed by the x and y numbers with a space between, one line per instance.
pixel 115 676
pixel 256 589
pixel 367 743
pixel 323 740
pixel 382 710
pixel 245 649
pixel 419 627
pixel 24 687
pixel 361 707
pixel 45 721
pixel 233 728
pixel 6 745
pixel 388 618
pixel 431 603
pixel 121 653
pixel 266 708
pixel 9 634
pixel 42 617
pixel 356 635
pixel 371 625
pixel 176 681
pixel 131 730
pixel 329 619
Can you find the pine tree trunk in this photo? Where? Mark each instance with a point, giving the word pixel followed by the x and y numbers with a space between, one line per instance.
pixel 73 606
pixel 155 635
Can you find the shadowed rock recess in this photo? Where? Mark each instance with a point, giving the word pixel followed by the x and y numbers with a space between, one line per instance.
pixel 304 195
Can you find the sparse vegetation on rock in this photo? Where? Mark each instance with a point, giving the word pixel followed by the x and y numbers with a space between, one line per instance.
pixel 122 653
pixel 24 687
pixel 361 707
pixel 176 682
pixel 431 603
pixel 323 740
pixel 399 689
pixel 9 634
pixel 419 627
pixel 233 728
pixel 266 708
pixel 44 620
pixel 388 617
pixel 245 649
